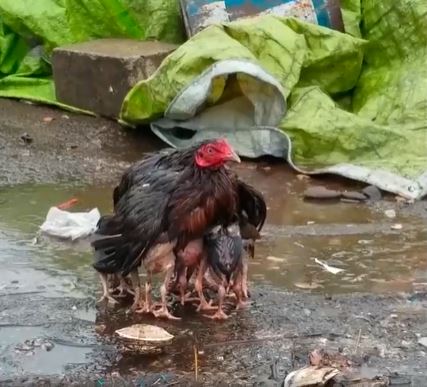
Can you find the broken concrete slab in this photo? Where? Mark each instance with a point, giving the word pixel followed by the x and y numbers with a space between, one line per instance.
pixel 97 75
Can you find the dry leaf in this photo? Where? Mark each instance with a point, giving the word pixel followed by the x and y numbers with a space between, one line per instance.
pixel 310 376
pixel 331 269
pixel 145 332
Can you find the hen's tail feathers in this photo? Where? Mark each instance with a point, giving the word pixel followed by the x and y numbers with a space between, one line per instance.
pixel 253 204
pixel 109 245
pixel 108 253
pixel 108 225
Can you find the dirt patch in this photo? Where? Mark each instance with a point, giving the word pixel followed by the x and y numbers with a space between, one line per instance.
pixel 379 333
pixel 42 145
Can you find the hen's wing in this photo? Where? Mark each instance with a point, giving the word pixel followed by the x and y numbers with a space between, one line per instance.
pixel 137 223
pixel 252 207
pixel 201 200
pixel 141 170
pixel 166 159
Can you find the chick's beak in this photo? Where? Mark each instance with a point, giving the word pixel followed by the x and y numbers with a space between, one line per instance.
pixel 233 156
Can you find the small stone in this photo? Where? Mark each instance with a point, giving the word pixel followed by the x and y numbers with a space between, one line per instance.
pixel 303 177
pixel 396 226
pixel 319 192
pixel 26 138
pixel 390 213
pixel 372 192
pixel 38 342
pixel 422 341
pixel 354 195
pixel 47 119
pixel 365 241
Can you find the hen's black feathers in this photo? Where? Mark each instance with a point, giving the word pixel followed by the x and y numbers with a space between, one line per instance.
pixel 165 193
pixel 164 159
pixel 251 205
pixel 165 197
pixel 140 212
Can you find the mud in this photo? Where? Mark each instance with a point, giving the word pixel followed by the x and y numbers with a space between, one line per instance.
pixel 51 331
pixel 65 147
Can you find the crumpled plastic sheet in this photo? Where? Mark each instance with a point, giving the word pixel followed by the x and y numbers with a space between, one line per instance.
pixel 70 225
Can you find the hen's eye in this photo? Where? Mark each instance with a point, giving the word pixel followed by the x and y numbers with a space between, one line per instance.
pixel 210 150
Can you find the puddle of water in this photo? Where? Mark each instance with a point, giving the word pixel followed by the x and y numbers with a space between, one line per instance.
pixel 353 237
pixel 349 236
pixel 37 361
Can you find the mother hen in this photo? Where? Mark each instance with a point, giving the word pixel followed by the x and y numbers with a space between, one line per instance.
pixel 163 205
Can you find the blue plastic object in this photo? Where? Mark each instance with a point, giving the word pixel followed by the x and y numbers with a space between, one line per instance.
pixel 199 14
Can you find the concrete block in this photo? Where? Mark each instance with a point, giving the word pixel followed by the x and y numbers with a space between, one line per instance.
pixel 97 75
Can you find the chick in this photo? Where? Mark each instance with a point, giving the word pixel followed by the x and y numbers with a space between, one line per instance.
pixel 223 264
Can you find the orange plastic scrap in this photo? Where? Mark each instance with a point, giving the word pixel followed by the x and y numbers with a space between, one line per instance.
pixel 67 204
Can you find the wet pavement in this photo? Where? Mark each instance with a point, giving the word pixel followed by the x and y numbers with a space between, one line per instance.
pixel 51 329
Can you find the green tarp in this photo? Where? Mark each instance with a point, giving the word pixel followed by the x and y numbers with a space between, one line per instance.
pixel 357 107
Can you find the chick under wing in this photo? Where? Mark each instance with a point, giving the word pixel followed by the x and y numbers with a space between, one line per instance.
pixel 224 250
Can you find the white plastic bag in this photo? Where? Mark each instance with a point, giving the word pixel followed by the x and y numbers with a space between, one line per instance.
pixel 70 225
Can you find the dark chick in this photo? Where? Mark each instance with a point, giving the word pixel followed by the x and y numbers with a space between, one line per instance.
pixel 224 264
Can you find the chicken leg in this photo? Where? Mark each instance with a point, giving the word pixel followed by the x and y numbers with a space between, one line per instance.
pixel 106 295
pixel 219 314
pixel 204 305
pixel 147 307
pixel 245 290
pixel 123 288
pixel 163 311
pixel 238 286
pixel 134 275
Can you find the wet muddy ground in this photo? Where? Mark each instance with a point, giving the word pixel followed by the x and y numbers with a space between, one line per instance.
pixel 51 330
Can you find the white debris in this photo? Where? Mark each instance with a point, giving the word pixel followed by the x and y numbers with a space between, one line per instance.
pixel 70 225
pixel 275 259
pixel 331 269
pixel 396 226
pixel 390 213
pixel 145 332
pixel 310 376
pixel 422 341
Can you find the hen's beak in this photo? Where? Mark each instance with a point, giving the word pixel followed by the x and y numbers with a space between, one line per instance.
pixel 233 156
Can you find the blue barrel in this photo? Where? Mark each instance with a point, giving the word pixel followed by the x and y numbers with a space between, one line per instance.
pixel 199 14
